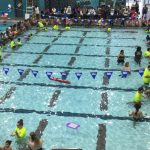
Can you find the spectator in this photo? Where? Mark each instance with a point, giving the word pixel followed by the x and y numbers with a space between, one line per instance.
pixel 144 12
pixel 69 11
pixel 37 12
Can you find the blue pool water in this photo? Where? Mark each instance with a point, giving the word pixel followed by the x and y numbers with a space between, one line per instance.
pixel 3 26
pixel 80 101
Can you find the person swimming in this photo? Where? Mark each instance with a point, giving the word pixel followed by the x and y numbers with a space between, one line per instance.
pixel 7 145
pixel 121 57
pixel 20 131
pixel 127 68
pixel 138 98
pixel 34 142
pixel 138 55
pixel 29 37
pixel 147 38
pixel 19 43
pixel 136 114
pixel 12 44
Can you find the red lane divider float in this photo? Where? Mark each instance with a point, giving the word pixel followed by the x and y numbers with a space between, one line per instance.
pixel 60 80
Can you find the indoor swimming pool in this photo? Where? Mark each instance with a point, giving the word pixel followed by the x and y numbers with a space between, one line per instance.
pixel 98 106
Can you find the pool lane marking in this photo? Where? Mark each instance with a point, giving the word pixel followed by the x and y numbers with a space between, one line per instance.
pixel 118 31
pixel 41 55
pixel 104 102
pixel 105 79
pixel 7 95
pixel 68 86
pixel 77 50
pixel 61 67
pixel 108 52
pixel 54 98
pixel 46 49
pixel 107 62
pixel 41 127
pixel 24 75
pixel 69 54
pixel 83 45
pixel 101 141
pixel 105 31
pixel 71 114
pixel 90 37
pixel 72 60
pixel 37 59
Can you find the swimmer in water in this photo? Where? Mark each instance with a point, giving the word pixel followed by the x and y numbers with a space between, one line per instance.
pixel 138 97
pixel 20 131
pixel 127 68
pixel 12 44
pixel 121 57
pixel 19 43
pixel 34 142
pixel 7 146
pixel 146 76
pixel 136 114
pixel 138 55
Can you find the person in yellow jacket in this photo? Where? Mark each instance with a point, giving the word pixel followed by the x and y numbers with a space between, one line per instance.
pixel 40 24
pixel 19 43
pixel 12 44
pixel 20 131
pixel 138 98
pixel 55 27
pixel 147 53
pixel 146 75
pixel 67 27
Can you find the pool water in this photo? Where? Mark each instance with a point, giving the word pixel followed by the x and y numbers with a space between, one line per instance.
pixel 3 26
pixel 100 110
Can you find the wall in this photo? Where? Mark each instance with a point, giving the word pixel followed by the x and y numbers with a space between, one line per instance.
pixel 41 4
pixel 4 6
pixel 95 3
